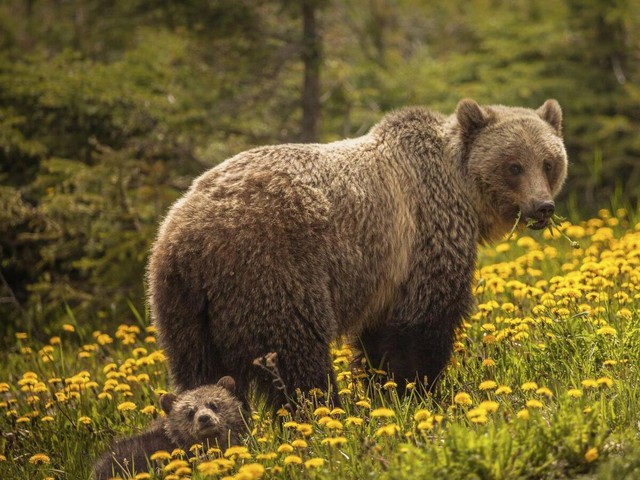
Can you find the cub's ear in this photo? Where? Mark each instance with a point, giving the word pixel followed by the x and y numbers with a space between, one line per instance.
pixel 228 383
pixel 551 113
pixel 470 115
pixel 166 402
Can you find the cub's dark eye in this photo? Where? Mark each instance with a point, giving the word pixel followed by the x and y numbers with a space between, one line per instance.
pixel 191 413
pixel 212 406
pixel 515 169
pixel 547 166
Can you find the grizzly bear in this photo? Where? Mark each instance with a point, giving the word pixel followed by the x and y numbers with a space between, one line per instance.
pixel 210 415
pixel 285 248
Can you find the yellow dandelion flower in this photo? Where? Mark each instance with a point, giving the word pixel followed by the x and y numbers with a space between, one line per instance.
pixel 299 443
pixel 604 381
pixel 337 411
pixel 529 386
pixel 289 424
pixel 607 330
pixel 426 424
pixel 292 459
pixel 305 429
pixel 282 412
pixel 462 398
pixel 534 403
pixel 321 411
pixel 476 412
pixel 178 452
pixel 85 420
pixel 388 430
pixel 23 420
pixel 589 383
pixel 126 406
pixel 39 458
pixel 266 456
pixel 345 391
pixel 488 362
pixel 334 441
pixel 390 385
pixel 610 363
pixel 574 393
pixel 591 455
pixel 285 448
pixel 545 391
pixel 224 464
pixel 480 419
pixel 421 415
pixel 175 464
pixel 334 425
pixel 490 406
pixel 363 404
pixel 314 463
pixel 488 385
pixel 160 455
pixel 523 414
pixel 383 412
pixel 254 470
pixel 410 385
pixel 149 410
pixel 354 421
pixel 142 476
pixel 324 420
pixel 3 458
pixel 21 336
pixel 67 327
pixel 239 451
pixel 47 418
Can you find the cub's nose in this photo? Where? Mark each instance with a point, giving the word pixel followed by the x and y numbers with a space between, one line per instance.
pixel 204 420
pixel 544 210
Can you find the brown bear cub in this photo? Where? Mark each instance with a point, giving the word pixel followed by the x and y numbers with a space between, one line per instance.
pixel 210 415
pixel 285 248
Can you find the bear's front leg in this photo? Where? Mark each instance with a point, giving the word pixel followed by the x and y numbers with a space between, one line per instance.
pixel 418 351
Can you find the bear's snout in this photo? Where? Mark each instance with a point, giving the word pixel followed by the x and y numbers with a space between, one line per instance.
pixel 538 217
pixel 206 420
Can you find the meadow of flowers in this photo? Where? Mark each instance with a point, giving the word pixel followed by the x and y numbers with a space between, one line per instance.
pixel 544 383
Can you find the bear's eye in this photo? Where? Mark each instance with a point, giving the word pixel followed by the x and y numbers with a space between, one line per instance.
pixel 212 406
pixel 191 413
pixel 515 169
pixel 547 166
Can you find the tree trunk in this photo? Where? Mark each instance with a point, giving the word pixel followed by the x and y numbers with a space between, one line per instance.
pixel 311 57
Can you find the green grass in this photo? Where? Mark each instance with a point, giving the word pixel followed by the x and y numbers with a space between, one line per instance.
pixel 553 350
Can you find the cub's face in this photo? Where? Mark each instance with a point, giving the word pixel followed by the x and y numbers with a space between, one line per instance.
pixel 517 159
pixel 203 415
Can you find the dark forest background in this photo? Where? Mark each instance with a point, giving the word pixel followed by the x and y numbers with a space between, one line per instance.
pixel 108 109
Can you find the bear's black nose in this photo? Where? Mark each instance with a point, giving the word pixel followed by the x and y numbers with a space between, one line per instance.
pixel 544 210
pixel 204 420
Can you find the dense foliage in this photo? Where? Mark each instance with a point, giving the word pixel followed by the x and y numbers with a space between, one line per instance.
pixel 543 384
pixel 109 109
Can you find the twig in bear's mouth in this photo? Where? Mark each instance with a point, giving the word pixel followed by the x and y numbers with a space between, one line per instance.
pixel 513 229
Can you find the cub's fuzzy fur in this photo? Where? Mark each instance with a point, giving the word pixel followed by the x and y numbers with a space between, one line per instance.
pixel 284 248
pixel 210 415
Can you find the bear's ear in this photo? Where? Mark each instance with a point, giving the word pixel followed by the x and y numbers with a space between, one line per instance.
pixel 470 115
pixel 551 113
pixel 228 383
pixel 166 402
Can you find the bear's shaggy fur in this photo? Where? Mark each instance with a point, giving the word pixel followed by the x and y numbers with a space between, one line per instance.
pixel 210 415
pixel 284 248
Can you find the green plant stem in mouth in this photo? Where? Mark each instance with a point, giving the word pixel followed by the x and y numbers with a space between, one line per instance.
pixel 513 229
pixel 553 224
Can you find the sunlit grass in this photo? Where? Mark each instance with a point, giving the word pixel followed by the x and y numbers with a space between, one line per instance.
pixel 543 383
